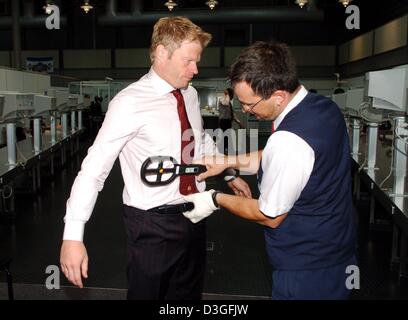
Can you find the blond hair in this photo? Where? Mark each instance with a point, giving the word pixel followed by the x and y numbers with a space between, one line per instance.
pixel 172 31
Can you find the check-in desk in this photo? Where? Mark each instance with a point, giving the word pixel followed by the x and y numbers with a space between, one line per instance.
pixel 387 188
pixel 30 159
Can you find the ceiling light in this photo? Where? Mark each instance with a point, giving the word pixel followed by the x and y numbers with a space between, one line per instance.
pixel 47 8
pixel 170 5
pixel 345 2
pixel 211 3
pixel 301 3
pixel 86 7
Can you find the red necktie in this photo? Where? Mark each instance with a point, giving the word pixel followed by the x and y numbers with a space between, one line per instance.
pixel 273 127
pixel 187 182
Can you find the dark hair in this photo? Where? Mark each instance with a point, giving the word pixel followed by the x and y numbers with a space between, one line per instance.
pixel 265 67
pixel 230 92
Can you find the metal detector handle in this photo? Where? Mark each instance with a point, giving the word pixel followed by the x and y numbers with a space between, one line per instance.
pixel 191 169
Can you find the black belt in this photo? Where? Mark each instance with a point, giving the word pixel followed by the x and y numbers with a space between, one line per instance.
pixel 173 208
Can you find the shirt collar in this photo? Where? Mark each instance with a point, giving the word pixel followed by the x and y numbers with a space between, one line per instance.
pixel 161 86
pixel 291 105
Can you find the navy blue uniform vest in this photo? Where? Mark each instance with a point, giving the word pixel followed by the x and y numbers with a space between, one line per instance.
pixel 319 230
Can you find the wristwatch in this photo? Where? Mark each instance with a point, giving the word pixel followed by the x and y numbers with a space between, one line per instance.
pixel 229 175
pixel 231 178
pixel 214 198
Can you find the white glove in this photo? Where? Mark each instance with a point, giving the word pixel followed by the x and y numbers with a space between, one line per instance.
pixel 203 206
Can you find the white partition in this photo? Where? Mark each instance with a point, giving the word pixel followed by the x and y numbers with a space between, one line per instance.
pixel 355 98
pixel 388 89
pixel 43 83
pixel 23 81
pixel 44 103
pixel 29 82
pixel 2 99
pixel 14 80
pixel 60 95
pixel 3 83
pixel 16 102
pixel 341 100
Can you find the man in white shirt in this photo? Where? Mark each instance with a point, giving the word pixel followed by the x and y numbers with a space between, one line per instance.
pixel 305 201
pixel 149 118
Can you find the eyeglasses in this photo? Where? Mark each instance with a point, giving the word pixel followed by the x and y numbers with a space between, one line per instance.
pixel 250 107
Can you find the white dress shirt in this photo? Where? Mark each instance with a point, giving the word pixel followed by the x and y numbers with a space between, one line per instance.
pixel 141 121
pixel 287 162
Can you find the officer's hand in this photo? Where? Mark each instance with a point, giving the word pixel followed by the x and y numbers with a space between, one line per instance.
pixel 240 188
pixel 214 164
pixel 203 206
pixel 74 261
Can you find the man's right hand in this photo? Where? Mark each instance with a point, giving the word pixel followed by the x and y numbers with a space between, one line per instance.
pixel 74 261
pixel 203 206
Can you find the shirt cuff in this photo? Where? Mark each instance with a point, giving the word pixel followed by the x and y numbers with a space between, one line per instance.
pixel 273 211
pixel 74 230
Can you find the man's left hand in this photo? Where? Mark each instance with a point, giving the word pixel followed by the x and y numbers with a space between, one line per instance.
pixel 240 188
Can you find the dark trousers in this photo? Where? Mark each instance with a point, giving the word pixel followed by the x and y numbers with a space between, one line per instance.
pixel 166 256
pixel 317 284
pixel 225 124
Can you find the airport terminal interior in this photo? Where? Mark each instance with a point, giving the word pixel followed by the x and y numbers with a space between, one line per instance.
pixel 62 62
